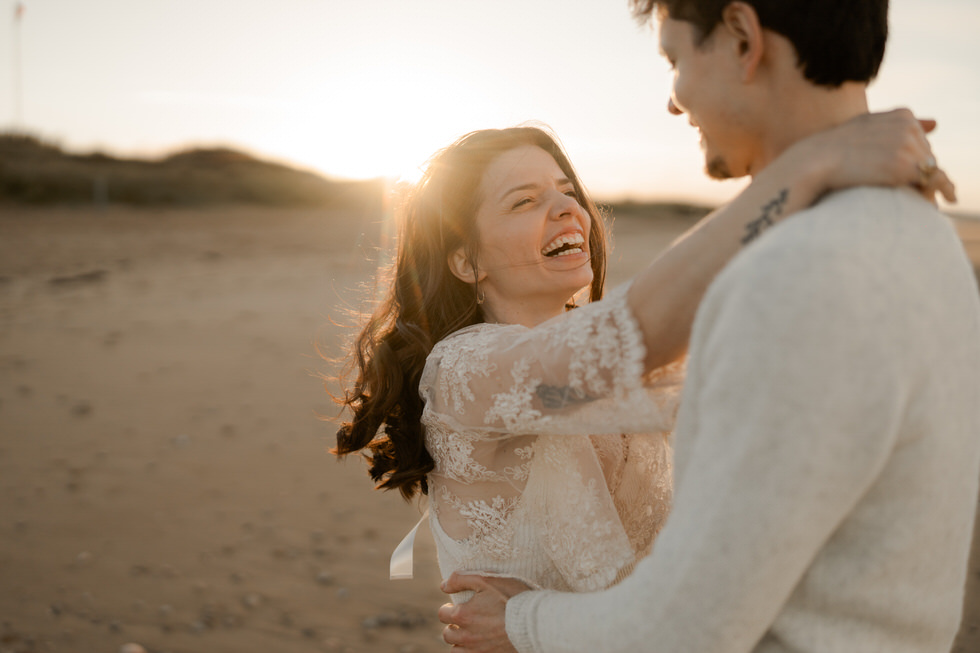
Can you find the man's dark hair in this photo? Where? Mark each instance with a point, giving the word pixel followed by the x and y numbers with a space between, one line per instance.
pixel 836 41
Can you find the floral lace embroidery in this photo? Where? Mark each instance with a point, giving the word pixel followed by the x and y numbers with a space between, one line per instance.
pixel 492 528
pixel 468 357
pixel 453 455
pixel 641 486
pixel 583 534
pixel 514 408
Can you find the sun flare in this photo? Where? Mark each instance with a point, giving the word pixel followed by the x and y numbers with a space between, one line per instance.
pixel 384 120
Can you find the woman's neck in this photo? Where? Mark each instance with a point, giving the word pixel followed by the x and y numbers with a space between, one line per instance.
pixel 529 313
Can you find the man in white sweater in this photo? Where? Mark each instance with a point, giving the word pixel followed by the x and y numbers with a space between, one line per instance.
pixel 828 446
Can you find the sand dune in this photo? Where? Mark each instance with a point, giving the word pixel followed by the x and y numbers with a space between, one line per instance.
pixel 163 475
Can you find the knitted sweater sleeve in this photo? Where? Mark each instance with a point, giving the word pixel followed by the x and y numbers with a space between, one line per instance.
pixel 794 392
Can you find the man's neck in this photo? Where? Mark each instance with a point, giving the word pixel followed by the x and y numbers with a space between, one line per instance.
pixel 802 114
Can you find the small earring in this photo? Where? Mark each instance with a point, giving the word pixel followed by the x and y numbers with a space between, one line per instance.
pixel 480 296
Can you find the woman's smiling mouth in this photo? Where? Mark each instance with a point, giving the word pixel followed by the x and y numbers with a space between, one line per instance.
pixel 564 245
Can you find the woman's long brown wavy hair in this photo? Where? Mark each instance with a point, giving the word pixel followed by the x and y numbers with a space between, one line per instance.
pixel 425 302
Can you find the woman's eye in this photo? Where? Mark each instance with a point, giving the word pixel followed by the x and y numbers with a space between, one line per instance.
pixel 572 193
pixel 522 202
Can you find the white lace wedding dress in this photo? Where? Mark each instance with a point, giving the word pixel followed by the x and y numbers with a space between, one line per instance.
pixel 551 449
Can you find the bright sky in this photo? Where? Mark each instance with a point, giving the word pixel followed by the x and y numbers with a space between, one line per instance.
pixel 365 88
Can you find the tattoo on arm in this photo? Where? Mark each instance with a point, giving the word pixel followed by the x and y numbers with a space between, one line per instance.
pixel 770 211
pixel 553 396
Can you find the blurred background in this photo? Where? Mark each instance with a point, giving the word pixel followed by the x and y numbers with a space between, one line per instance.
pixel 193 206
pixel 360 90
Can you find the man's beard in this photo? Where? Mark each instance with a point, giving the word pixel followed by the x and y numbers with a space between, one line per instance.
pixel 717 168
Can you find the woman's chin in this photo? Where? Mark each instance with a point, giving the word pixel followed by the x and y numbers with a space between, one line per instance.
pixel 577 283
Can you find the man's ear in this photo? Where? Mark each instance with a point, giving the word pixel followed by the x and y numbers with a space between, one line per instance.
pixel 462 269
pixel 742 23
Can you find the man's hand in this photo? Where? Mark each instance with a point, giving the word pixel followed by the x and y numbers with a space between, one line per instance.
pixel 880 149
pixel 477 626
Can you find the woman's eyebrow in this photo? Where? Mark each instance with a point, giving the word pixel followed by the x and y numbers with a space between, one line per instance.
pixel 519 188
pixel 558 182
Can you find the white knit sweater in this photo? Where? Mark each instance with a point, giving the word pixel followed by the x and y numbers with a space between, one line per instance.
pixel 826 453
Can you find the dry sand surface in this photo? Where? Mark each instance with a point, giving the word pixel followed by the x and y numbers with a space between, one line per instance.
pixel 164 479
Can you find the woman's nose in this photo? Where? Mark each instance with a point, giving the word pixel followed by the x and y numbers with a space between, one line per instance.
pixel 565 205
pixel 672 108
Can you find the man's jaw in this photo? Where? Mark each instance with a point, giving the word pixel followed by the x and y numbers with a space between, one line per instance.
pixel 717 168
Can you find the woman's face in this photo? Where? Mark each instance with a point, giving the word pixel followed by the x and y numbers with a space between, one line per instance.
pixel 534 237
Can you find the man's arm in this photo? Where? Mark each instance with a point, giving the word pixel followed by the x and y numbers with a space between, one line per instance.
pixel 789 417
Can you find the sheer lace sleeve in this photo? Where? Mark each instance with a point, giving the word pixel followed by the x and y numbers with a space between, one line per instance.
pixel 578 373
pixel 512 492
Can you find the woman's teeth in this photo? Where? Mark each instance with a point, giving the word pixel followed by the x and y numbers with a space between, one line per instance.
pixel 564 245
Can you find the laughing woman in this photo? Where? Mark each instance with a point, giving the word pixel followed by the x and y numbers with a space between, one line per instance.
pixel 541 433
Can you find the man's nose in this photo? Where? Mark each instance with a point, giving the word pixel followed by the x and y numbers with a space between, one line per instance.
pixel 672 108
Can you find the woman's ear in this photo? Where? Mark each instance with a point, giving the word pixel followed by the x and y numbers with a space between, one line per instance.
pixel 462 269
pixel 742 23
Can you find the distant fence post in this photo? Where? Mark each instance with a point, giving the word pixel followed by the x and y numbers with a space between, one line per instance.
pixel 100 190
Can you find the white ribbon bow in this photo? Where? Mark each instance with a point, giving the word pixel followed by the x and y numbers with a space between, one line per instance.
pixel 402 560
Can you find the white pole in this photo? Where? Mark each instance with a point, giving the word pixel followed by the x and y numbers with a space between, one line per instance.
pixel 18 91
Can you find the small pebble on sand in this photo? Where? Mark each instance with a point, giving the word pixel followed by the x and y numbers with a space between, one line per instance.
pixel 252 600
pixel 198 627
pixel 131 647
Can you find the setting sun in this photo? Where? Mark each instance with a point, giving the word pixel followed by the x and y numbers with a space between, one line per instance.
pixel 377 119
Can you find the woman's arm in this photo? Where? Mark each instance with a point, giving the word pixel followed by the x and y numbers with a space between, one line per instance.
pixel 883 149
pixel 582 372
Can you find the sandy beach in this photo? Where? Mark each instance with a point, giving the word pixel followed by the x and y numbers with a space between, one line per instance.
pixel 164 475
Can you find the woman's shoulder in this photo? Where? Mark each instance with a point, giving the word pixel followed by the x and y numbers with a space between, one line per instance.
pixel 474 335
pixel 462 353
pixel 486 332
